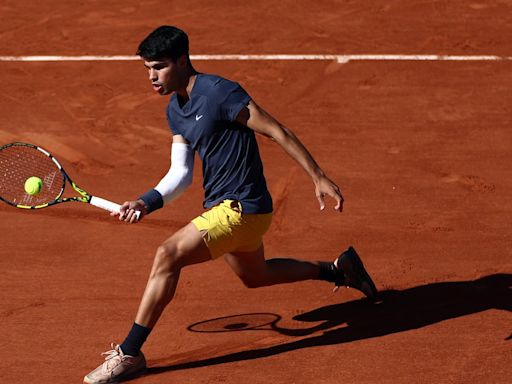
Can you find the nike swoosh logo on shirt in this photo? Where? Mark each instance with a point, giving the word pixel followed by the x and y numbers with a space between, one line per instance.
pixel 198 117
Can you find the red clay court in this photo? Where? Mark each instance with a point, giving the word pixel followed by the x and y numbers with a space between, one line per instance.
pixel 422 150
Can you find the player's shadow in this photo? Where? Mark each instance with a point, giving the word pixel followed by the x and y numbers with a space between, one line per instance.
pixel 395 311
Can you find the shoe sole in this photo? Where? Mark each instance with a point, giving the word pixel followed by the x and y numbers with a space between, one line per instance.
pixel 352 265
pixel 129 376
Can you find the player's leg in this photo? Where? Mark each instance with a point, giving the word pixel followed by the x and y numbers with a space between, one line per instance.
pixel 185 247
pixel 346 270
pixel 255 271
pixel 247 258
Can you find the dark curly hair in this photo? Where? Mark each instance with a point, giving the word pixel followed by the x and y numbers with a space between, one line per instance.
pixel 165 42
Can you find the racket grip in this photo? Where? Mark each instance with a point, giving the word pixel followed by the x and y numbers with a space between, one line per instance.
pixel 108 205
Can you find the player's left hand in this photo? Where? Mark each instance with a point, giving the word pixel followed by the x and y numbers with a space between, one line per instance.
pixel 325 186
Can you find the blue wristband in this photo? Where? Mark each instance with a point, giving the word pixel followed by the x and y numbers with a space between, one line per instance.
pixel 153 200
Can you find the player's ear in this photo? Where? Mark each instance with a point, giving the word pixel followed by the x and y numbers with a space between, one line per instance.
pixel 183 61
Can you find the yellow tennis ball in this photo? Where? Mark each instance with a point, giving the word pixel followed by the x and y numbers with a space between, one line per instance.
pixel 33 185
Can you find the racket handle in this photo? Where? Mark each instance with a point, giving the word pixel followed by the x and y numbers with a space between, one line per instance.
pixel 108 205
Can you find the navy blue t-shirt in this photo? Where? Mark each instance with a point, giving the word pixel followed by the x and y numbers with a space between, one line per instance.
pixel 232 167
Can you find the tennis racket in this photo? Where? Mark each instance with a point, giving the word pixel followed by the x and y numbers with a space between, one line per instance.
pixel 20 161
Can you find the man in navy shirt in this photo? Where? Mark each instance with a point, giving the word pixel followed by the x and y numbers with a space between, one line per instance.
pixel 217 119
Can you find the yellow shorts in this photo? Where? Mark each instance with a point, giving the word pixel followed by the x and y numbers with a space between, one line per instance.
pixel 225 229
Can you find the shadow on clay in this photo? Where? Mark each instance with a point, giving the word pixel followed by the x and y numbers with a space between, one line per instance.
pixel 394 311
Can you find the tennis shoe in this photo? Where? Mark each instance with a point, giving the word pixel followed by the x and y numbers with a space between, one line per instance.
pixel 117 367
pixel 354 274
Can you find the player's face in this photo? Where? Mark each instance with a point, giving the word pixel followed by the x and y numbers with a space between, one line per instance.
pixel 164 75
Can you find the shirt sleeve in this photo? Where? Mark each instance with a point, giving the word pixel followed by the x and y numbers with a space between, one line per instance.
pixel 232 98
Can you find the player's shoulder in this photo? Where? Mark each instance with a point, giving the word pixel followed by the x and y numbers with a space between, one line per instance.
pixel 214 85
pixel 211 80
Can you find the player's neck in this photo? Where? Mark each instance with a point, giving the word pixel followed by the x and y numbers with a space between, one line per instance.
pixel 188 84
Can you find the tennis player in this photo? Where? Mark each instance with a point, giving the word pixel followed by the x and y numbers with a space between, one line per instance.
pixel 217 119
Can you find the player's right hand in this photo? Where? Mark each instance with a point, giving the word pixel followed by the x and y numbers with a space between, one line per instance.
pixel 128 209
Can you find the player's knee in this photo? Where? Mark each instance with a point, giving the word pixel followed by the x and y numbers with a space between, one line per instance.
pixel 166 259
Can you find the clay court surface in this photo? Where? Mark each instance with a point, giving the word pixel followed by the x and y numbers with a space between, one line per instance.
pixel 421 149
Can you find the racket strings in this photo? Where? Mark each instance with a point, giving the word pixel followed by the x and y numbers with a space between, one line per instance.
pixel 17 164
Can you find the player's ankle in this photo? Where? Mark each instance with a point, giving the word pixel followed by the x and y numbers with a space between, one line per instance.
pixel 328 272
pixel 136 338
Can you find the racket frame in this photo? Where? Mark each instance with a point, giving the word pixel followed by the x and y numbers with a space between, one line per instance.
pixel 84 197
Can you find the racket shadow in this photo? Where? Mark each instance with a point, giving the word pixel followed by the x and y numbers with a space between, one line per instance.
pixel 394 311
pixel 250 322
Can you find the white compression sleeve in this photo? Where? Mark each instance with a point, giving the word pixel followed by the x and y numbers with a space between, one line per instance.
pixel 179 176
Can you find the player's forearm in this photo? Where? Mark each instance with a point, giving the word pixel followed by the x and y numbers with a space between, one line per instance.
pixel 294 147
pixel 177 179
